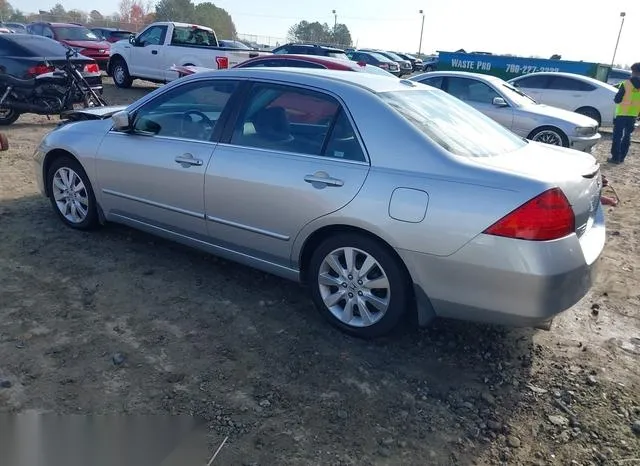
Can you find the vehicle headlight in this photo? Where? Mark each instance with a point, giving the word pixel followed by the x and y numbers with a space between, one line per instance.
pixel 585 130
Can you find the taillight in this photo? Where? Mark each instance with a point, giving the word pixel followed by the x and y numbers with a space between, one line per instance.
pixel 222 62
pixel 546 217
pixel 91 68
pixel 39 69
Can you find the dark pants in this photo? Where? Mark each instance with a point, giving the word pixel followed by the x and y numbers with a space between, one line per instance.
pixel 623 126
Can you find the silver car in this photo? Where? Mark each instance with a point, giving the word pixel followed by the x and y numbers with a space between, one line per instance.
pixel 300 173
pixel 515 110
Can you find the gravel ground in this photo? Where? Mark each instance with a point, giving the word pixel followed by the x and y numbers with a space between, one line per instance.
pixel 117 321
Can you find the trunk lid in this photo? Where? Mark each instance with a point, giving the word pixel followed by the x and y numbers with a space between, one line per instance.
pixel 576 173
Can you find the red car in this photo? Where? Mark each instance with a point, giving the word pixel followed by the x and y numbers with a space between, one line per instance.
pixel 295 61
pixel 78 37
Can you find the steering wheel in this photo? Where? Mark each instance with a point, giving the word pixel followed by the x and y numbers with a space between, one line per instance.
pixel 196 129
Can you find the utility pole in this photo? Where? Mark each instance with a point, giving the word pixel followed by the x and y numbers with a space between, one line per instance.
pixel 622 15
pixel 421 31
pixel 335 20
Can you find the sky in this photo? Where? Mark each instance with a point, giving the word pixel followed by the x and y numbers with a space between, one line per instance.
pixel 576 29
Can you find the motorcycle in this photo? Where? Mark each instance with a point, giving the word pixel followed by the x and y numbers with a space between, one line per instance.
pixel 47 94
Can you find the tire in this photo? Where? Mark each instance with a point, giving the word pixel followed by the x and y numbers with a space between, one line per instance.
pixel 339 287
pixel 591 113
pixel 549 135
pixel 427 68
pixel 120 74
pixel 57 178
pixel 8 117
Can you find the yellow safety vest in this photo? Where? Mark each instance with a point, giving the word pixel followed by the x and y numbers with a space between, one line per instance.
pixel 630 105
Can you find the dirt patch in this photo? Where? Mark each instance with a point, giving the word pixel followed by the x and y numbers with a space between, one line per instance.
pixel 119 321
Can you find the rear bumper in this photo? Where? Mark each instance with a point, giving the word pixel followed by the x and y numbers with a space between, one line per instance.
pixel 508 282
pixel 584 144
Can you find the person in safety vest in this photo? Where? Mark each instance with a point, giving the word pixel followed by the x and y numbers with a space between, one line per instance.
pixel 627 111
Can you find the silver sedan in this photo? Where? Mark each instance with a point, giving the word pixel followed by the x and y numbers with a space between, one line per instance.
pixel 515 110
pixel 386 197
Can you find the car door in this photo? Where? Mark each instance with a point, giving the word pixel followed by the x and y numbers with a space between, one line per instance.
pixel 291 156
pixel 154 173
pixel 147 56
pixel 568 93
pixel 480 96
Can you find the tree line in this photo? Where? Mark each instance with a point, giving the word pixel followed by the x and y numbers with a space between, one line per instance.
pixel 321 33
pixel 136 13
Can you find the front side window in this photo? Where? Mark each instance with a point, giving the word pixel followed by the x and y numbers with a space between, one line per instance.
pixel 153 36
pixel 287 119
pixel 471 90
pixel 282 50
pixel 452 124
pixel 435 81
pixel 190 111
pixel 533 82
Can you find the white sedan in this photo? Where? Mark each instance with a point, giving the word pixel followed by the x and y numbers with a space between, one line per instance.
pixel 574 92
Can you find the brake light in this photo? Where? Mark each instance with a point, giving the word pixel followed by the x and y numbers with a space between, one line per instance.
pixel 362 63
pixel 546 217
pixel 91 68
pixel 222 62
pixel 39 69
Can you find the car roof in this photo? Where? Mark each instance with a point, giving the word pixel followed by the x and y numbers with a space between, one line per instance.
pixel 103 28
pixel 310 44
pixel 462 74
pixel 579 77
pixel 315 77
pixel 310 58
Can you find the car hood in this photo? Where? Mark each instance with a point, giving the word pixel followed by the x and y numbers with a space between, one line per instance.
pixel 88 44
pixel 559 113
pixel 92 113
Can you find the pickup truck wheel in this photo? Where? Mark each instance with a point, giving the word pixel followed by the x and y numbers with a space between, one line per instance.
pixel 120 73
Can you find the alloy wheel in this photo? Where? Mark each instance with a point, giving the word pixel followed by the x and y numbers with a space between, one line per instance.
pixel 70 195
pixel 548 136
pixel 354 287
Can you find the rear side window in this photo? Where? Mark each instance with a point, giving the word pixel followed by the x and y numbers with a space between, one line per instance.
pixel 289 119
pixel 282 50
pixel 562 83
pixel 301 64
pixel 533 82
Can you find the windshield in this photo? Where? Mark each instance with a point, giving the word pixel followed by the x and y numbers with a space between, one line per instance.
pixel 454 125
pixel 379 57
pixel 184 35
pixel 75 33
pixel 516 95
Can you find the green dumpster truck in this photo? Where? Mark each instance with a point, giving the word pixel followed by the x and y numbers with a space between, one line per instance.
pixel 508 67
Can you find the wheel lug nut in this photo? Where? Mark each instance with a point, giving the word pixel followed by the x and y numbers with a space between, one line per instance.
pixel 359 282
pixel 359 293
pixel 350 277
pixel 344 284
pixel 351 295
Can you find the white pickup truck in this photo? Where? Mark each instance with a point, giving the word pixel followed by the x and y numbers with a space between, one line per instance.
pixel 150 54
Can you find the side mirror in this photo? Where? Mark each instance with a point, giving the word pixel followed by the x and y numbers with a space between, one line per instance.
pixel 121 121
pixel 500 102
pixel 132 40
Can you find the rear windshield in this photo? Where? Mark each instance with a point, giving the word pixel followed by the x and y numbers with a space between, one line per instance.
pixel 378 57
pixel 454 125
pixel 38 46
pixel 75 33
pixel 185 35
pixel 119 34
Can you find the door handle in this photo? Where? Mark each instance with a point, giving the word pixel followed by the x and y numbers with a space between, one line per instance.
pixel 323 178
pixel 154 52
pixel 188 160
